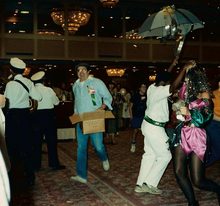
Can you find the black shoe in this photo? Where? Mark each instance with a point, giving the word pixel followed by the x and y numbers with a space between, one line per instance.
pixel 59 167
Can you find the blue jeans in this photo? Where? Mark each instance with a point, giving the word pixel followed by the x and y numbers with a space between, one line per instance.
pixel 97 143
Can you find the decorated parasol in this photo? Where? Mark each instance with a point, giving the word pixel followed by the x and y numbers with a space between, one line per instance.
pixel 170 23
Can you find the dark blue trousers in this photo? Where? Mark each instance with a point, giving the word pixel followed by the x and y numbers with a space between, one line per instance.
pixel 44 123
pixel 18 140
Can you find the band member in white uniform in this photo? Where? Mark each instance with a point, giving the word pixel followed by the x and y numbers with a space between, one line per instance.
pixel 17 126
pixel 44 123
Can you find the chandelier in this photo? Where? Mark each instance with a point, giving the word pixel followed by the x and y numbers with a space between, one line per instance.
pixel 49 32
pixel 26 71
pixel 109 3
pixel 76 17
pixel 152 78
pixel 115 72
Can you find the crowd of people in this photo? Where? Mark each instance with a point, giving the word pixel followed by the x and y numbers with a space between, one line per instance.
pixel 179 122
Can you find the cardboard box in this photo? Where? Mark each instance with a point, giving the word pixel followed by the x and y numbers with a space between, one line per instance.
pixel 92 122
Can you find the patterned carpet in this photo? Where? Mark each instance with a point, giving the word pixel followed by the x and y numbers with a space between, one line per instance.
pixel 114 188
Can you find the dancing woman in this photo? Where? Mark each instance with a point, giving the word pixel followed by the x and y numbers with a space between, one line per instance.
pixel 193 146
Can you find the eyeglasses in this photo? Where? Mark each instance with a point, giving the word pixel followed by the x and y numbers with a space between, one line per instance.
pixel 81 70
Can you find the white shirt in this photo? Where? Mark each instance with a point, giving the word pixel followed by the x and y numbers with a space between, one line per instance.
pixel 18 96
pixel 49 97
pixel 157 104
pixel 4 183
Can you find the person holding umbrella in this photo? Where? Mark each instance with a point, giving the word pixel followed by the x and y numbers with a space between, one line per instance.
pixel 157 156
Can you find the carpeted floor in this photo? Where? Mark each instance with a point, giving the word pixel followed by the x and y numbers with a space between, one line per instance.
pixel 116 187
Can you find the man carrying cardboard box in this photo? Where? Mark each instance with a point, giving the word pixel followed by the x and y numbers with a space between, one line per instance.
pixel 91 94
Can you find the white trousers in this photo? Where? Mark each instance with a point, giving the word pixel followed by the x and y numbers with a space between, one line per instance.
pixel 156 157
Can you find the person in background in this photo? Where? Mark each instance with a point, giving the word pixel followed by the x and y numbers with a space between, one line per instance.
pixel 193 145
pixel 91 94
pixel 64 92
pixel 44 123
pixel 137 109
pixel 111 128
pixel 56 89
pixel 119 96
pixel 213 128
pixel 17 119
pixel 157 156
pixel 125 109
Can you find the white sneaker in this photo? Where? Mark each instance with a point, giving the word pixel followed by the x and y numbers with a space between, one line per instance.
pixel 106 165
pixel 133 147
pixel 78 179
pixel 138 189
pixel 151 189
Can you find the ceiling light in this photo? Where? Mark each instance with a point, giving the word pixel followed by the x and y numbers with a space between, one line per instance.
pixel 26 71
pixel 109 3
pixel 49 32
pixel 24 12
pixel 115 72
pixel 76 17
pixel 152 78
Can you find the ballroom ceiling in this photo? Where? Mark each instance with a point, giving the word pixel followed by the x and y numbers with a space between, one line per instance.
pixel 19 16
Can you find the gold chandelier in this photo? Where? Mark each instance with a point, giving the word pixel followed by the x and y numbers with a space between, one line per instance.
pixel 115 72
pixel 109 3
pixel 152 78
pixel 76 17
pixel 49 32
pixel 26 71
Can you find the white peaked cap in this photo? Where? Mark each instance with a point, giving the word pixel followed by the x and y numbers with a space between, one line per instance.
pixel 38 76
pixel 17 63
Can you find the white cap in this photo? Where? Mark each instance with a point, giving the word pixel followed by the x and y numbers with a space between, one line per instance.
pixel 17 63
pixel 38 76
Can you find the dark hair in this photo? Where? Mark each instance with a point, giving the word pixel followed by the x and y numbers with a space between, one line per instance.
pixel 163 76
pixel 197 83
pixel 140 84
pixel 17 71
pixel 82 64
pixel 111 82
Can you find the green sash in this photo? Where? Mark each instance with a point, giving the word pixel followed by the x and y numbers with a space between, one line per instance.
pixel 149 120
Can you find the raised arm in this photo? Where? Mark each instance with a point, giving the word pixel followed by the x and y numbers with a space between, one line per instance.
pixel 175 62
pixel 177 81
